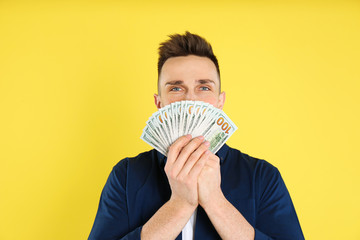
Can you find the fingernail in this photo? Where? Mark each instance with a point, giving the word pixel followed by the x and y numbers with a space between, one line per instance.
pixel 201 137
pixel 207 143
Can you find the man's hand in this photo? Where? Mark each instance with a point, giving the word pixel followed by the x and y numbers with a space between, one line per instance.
pixel 186 159
pixel 209 181
pixel 194 176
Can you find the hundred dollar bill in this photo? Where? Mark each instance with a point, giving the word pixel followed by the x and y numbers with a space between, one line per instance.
pixel 147 138
pixel 220 131
pixel 188 117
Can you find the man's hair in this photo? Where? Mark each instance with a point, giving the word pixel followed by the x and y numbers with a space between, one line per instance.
pixel 183 45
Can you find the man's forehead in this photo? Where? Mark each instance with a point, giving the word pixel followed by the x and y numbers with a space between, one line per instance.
pixel 197 73
pixel 189 69
pixel 191 62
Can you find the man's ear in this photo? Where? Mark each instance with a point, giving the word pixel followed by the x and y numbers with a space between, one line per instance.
pixel 157 101
pixel 221 100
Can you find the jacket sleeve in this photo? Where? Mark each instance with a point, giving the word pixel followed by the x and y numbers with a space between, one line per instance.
pixel 276 216
pixel 112 218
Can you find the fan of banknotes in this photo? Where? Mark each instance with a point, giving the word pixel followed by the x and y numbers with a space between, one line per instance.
pixel 188 117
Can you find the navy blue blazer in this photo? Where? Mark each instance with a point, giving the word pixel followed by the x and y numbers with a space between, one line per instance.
pixel 137 187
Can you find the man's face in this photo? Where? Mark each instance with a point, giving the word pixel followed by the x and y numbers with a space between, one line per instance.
pixel 189 78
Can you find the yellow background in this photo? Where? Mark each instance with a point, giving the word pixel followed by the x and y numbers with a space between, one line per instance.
pixel 76 88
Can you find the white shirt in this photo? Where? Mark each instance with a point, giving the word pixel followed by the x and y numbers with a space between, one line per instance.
pixel 189 229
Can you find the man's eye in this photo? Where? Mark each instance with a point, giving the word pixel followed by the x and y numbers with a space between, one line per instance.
pixel 175 89
pixel 204 89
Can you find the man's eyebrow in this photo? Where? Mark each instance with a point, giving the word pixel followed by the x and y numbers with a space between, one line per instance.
pixel 200 81
pixel 204 81
pixel 175 82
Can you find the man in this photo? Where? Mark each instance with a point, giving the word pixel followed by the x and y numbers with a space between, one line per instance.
pixel 194 194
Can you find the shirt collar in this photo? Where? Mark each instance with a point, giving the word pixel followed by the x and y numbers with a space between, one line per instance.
pixel 221 154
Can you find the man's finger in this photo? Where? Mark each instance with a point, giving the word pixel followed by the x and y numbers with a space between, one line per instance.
pixel 176 147
pixel 199 165
pixel 194 158
pixel 214 160
pixel 186 151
